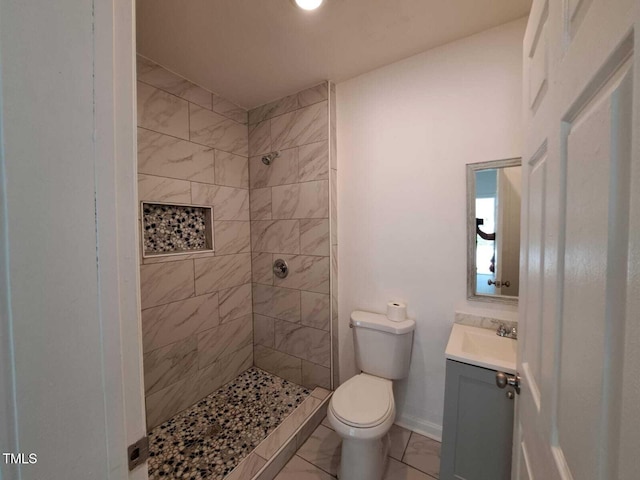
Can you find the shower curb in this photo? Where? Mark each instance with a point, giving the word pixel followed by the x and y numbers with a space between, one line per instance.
pixel 256 467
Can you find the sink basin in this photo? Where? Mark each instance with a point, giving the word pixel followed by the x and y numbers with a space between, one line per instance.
pixel 482 347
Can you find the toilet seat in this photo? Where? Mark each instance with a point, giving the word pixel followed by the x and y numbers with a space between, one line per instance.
pixel 364 401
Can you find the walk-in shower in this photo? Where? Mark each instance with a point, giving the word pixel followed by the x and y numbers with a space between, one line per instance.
pixel 231 350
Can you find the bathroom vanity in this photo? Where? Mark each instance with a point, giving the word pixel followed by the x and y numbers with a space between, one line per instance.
pixel 478 415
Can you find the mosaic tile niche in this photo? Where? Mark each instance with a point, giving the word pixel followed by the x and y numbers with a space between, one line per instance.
pixel 171 229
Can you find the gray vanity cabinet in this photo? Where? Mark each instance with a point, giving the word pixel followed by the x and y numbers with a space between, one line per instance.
pixel 478 425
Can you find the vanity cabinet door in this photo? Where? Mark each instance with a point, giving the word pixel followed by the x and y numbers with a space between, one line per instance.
pixel 478 425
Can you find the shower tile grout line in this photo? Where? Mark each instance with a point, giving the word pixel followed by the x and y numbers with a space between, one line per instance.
pixel 195 143
pixel 194 103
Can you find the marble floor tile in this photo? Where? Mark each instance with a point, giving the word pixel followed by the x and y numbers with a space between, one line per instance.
pixel 247 468
pixel 322 449
pixel 399 471
pixel 399 437
pixel 421 456
pixel 424 454
pixel 209 439
pixel 300 469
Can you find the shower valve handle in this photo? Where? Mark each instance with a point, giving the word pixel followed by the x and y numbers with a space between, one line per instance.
pixel 280 268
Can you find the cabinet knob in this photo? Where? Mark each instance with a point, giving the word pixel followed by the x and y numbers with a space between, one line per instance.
pixel 502 380
pixel 510 395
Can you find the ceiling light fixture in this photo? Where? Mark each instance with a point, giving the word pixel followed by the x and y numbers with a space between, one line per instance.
pixel 308 4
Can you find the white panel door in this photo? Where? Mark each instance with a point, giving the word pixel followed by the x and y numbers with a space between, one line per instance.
pixel 578 416
pixel 71 389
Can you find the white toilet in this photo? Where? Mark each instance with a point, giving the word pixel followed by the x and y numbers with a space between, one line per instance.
pixel 362 409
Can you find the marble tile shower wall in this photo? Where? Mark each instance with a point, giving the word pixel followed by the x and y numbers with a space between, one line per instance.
pixel 196 308
pixel 290 219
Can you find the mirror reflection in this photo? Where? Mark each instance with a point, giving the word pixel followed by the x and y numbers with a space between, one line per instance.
pixel 494 190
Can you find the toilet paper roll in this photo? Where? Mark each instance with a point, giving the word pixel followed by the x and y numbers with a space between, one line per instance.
pixel 396 311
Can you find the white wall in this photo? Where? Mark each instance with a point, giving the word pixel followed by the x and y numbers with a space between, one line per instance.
pixel 405 133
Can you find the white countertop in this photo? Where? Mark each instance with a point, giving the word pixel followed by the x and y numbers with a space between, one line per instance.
pixel 482 347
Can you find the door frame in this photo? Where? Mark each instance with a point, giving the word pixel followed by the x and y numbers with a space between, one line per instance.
pixel 117 251
pixel 116 211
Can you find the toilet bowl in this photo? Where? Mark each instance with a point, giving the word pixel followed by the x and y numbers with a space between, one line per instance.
pixel 362 410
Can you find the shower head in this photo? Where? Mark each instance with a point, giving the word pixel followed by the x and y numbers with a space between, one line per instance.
pixel 270 157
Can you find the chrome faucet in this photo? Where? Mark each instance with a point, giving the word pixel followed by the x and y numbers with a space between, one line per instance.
pixel 504 331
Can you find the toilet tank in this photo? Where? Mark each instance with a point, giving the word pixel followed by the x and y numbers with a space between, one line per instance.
pixel 382 347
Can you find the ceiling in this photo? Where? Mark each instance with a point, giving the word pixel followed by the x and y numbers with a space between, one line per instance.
pixel 255 51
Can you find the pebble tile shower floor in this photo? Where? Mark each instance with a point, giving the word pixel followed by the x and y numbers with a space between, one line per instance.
pixel 209 439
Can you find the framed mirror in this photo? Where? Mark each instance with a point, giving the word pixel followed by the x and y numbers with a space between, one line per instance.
pixel 493 230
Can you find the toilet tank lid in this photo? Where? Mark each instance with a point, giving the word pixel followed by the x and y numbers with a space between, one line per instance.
pixel 377 321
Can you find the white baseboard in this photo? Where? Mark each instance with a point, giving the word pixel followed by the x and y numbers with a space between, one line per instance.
pixel 420 426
